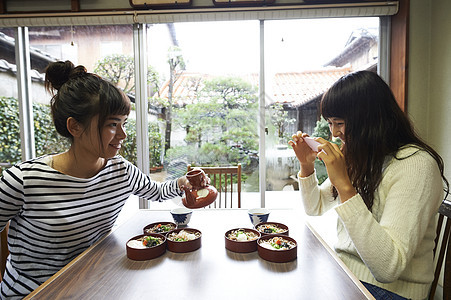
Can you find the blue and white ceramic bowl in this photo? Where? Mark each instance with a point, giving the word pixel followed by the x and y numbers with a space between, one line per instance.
pixel 258 215
pixel 181 215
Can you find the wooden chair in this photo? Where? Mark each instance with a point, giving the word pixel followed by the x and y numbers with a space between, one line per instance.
pixel 4 252
pixel 444 225
pixel 222 179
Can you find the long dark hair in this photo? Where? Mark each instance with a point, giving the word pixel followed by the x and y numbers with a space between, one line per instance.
pixel 375 127
pixel 81 95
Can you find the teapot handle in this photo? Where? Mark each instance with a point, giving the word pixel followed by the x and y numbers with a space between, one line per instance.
pixel 188 200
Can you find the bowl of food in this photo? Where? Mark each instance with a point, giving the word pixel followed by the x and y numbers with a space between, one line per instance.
pixel 146 246
pixel 277 248
pixel 271 228
pixel 184 240
pixel 160 227
pixel 242 240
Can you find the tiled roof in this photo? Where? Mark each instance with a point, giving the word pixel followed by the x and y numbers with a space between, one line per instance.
pixel 5 39
pixel 299 88
pixel 295 88
pixel 7 67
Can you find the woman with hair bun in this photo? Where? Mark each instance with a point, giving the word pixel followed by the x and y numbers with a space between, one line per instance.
pixel 60 204
pixel 385 184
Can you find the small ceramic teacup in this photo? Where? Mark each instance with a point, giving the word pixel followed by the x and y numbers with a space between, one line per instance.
pixel 181 215
pixel 258 215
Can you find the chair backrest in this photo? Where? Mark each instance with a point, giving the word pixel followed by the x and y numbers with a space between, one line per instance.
pixel 222 178
pixel 4 252
pixel 444 251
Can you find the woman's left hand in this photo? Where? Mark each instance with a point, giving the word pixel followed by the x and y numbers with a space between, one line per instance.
pixel 335 163
pixel 183 182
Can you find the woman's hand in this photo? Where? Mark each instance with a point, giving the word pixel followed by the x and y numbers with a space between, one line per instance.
pixel 183 182
pixel 337 171
pixel 305 155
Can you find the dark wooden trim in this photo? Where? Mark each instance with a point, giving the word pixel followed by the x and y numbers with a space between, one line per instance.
pixel 4 251
pixel 2 6
pixel 399 53
pixel 443 255
pixel 74 5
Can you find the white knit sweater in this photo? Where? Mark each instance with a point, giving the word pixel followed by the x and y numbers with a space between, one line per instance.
pixel 391 246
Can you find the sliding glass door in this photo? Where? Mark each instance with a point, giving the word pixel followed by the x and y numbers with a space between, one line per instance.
pixel 303 58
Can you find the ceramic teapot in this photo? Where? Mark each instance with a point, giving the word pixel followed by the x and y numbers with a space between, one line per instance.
pixel 198 196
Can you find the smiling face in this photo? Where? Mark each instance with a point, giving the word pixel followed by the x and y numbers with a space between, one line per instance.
pixel 107 141
pixel 337 128
pixel 113 134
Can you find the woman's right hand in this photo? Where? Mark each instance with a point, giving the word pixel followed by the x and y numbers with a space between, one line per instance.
pixel 304 153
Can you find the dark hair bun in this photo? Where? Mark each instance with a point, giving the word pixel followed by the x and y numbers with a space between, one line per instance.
pixel 60 72
pixel 77 72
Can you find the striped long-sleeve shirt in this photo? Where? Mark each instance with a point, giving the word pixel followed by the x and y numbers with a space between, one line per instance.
pixel 54 217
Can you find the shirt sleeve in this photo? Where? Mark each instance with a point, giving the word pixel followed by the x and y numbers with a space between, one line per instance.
pixel 143 186
pixel 11 194
pixel 387 238
pixel 316 199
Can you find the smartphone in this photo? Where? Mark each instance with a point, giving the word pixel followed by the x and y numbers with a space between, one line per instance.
pixel 312 143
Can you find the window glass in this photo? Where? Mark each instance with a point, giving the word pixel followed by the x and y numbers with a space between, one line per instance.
pixel 10 151
pixel 110 48
pixel 302 59
pixel 205 97
pixel 83 45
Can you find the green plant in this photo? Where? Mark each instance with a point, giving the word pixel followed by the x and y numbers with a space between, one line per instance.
pixel 280 120
pixel 129 148
pixel 47 139
pixel 10 151
pixel 119 69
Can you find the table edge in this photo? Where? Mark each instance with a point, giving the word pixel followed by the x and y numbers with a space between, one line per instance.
pixel 345 268
pixel 63 269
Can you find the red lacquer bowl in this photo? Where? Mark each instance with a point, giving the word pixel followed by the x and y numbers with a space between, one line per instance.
pixel 277 255
pixel 282 227
pixel 184 246
pixel 241 246
pixel 154 228
pixel 146 253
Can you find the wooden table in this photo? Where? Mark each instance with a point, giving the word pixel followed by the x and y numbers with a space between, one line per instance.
pixel 211 272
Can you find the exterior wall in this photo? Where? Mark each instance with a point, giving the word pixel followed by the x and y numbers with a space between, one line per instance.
pixel 8 88
pixel 88 42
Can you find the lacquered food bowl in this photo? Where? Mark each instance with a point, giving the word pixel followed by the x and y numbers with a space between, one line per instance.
pixel 146 253
pixel 160 227
pixel 283 228
pixel 235 244
pixel 184 246
pixel 277 255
